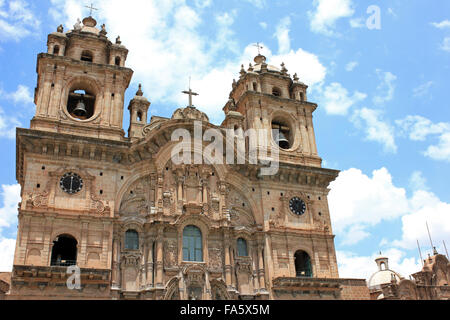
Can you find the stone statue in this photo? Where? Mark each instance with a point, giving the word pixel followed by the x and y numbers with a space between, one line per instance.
pixel 103 31
pixel 60 28
pixel 77 26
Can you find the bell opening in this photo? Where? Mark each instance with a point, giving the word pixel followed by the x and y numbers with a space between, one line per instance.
pixel 81 104
pixel 281 135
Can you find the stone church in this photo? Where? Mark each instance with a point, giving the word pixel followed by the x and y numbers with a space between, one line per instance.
pixel 140 226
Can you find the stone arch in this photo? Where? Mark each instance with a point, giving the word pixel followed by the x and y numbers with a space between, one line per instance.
pixel 64 250
pixel 287 119
pixel 172 291
pixel 303 264
pixel 88 84
pixel 138 202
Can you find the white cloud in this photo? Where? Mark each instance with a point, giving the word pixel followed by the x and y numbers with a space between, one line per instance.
pixel 358 202
pixel 386 88
pixel 351 65
pixel 419 128
pixel 357 23
pixel 327 13
pixel 8 125
pixel 282 34
pixel 441 25
pixel 446 44
pixel 337 101
pixel 7 247
pixel 418 181
pixel 21 95
pixel 11 199
pixel 17 21
pixel 376 129
pixel 426 207
pixel 422 89
pixel 263 25
pixel 257 3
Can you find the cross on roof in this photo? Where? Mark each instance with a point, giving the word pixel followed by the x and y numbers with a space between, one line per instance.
pixel 190 93
pixel 91 8
pixel 259 47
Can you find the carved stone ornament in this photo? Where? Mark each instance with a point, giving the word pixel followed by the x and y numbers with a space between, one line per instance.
pixel 190 113
pixel 131 260
pixel 215 258
pixel 39 200
pixel 170 254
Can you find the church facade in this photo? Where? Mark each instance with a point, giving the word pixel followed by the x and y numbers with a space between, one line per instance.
pixel 131 223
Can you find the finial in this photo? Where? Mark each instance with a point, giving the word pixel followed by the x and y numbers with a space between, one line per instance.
pixel 60 28
pixel 118 40
pixel 242 70
pixel 250 67
pixel 283 68
pixel 139 93
pixel 296 78
pixel 234 83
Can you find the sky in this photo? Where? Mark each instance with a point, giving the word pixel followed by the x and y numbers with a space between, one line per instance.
pixel 379 71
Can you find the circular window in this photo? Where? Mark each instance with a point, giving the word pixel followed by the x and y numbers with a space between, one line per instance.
pixel 71 183
pixel 282 134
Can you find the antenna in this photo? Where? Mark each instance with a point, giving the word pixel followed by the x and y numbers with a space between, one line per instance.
pixel 420 252
pixel 445 249
pixel 429 235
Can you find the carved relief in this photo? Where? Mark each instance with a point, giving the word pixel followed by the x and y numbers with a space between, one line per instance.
pixel 170 254
pixel 39 200
pixel 136 199
pixel 215 258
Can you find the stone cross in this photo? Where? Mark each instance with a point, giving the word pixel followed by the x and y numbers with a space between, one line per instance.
pixel 91 8
pixel 259 47
pixel 190 93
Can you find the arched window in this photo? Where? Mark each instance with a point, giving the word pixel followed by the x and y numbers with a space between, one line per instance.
pixel 192 244
pixel 242 247
pixel 56 50
pixel 303 264
pixel 255 86
pixel 131 240
pixel 276 92
pixel 117 61
pixel 139 116
pixel 64 252
pixel 87 56
pixel 302 96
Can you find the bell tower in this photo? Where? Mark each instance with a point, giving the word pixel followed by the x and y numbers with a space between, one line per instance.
pixel 81 83
pixel 267 97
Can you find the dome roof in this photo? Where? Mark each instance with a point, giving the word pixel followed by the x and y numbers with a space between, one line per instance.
pixel 382 277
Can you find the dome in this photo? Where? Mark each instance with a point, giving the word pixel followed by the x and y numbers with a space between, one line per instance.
pixel 382 277
pixel 190 113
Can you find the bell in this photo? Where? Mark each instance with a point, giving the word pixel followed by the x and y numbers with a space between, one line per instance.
pixel 281 140
pixel 80 110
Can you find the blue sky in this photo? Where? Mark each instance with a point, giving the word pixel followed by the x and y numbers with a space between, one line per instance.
pixel 383 116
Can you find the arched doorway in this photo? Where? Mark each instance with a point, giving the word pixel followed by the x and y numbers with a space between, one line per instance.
pixel 303 266
pixel 64 252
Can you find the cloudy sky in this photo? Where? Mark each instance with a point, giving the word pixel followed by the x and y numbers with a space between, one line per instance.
pixel 379 71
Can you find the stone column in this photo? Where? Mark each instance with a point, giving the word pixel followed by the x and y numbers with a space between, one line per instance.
pixel 255 270
pixel 312 137
pixel 159 257
pixel 227 262
pixel 115 264
pixel 262 282
pixel 150 280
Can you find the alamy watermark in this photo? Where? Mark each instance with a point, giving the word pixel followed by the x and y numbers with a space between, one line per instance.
pixel 252 147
